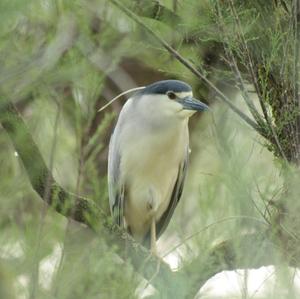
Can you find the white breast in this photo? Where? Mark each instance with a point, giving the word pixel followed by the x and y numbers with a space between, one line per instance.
pixel 149 170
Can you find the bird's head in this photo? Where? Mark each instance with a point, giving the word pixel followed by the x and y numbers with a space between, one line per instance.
pixel 172 98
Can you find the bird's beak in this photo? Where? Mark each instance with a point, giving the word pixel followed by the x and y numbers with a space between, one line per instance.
pixel 189 103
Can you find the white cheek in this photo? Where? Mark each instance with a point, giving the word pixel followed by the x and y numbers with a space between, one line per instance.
pixel 171 107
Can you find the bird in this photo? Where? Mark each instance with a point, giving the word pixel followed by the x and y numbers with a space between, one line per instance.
pixel 148 158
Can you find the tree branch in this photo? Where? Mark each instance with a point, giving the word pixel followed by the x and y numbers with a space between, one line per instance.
pixel 155 10
pixel 249 251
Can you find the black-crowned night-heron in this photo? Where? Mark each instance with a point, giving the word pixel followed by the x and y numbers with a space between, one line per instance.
pixel 148 156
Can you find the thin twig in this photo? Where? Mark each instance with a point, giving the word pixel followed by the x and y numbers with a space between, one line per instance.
pixel 255 82
pixel 263 200
pixel 233 64
pixel 246 50
pixel 230 218
pixel 296 71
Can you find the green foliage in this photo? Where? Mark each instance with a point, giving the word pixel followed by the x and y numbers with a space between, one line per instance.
pixel 62 60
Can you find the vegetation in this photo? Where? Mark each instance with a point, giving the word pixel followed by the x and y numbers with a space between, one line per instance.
pixel 62 60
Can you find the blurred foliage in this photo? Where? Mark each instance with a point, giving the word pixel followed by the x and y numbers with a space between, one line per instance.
pixel 62 60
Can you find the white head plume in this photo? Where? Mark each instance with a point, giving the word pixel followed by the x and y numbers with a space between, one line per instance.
pixel 118 96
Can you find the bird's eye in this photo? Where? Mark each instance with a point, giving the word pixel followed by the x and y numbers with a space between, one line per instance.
pixel 171 95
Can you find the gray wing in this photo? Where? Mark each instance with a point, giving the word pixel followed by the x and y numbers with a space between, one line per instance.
pixel 115 188
pixel 162 224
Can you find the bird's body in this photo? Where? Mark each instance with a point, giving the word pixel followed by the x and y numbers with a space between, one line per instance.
pixel 149 167
pixel 147 161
